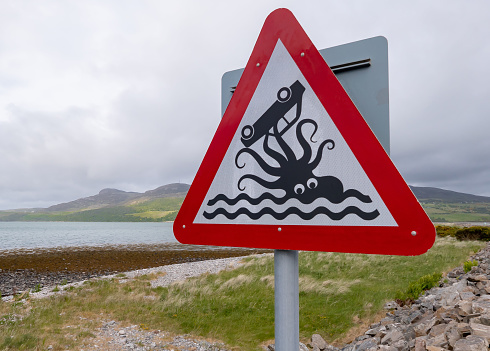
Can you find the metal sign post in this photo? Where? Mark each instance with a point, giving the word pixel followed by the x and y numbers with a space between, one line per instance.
pixel 286 306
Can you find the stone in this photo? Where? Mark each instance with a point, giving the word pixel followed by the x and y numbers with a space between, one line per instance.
pixel 477 278
pixel 449 298
pixel 366 345
pixel 480 330
pixel 471 317
pixel 387 348
pixel 420 344
pixel 465 307
pixel 391 337
pixel 414 316
pixel 437 330
pixel 434 348
pixel 452 335
pixel 481 306
pixel 303 347
pixel 485 319
pixel 471 343
pixel 401 345
pixel 373 331
pixel 439 341
pixel 318 341
pixel 422 327
pixel 464 329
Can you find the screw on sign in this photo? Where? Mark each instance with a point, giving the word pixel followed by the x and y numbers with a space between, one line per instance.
pixel 293 152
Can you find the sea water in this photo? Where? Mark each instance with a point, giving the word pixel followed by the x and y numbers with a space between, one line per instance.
pixel 17 235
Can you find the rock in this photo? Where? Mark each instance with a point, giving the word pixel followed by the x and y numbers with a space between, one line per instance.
pixel 437 330
pixel 480 330
pixel 477 277
pixel 420 344
pixel 434 348
pixel 367 344
pixel 464 329
pixel 452 335
pixel 485 319
pixel 465 306
pixel 387 348
pixel 471 343
pixel 481 306
pixel 422 327
pixel 392 337
pixel 401 345
pixel 439 341
pixel 318 341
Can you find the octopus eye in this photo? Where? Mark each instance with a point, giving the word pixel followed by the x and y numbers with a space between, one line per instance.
pixel 312 183
pixel 299 189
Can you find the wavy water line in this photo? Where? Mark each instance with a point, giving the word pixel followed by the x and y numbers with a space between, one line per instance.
pixel 336 216
pixel 249 199
pixel 267 196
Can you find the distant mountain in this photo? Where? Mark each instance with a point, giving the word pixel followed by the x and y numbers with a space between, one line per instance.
pixel 115 197
pixel 435 194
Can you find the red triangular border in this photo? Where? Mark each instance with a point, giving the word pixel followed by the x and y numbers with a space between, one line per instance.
pixel 404 207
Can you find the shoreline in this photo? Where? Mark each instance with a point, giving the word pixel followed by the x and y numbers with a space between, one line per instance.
pixel 27 269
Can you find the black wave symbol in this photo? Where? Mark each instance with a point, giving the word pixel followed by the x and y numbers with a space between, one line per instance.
pixel 336 216
pixel 266 196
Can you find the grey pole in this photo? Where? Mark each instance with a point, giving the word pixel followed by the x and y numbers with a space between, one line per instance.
pixel 286 290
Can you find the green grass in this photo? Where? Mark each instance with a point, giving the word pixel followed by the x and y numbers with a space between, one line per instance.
pixel 237 307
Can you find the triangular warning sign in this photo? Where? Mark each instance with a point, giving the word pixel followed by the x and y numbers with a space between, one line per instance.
pixel 293 165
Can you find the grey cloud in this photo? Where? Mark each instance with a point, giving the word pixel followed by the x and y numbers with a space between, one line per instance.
pixel 127 95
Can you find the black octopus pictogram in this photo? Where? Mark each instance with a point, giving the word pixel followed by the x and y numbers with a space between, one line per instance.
pixel 294 175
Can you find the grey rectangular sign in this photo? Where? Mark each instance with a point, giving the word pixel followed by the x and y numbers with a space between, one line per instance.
pixel 362 69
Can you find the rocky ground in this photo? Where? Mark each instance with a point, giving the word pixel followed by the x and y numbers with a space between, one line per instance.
pixel 454 316
pixel 22 270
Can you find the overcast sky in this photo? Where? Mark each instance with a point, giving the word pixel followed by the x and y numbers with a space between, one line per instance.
pixel 126 94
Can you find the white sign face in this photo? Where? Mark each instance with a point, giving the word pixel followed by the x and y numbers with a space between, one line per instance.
pixel 288 163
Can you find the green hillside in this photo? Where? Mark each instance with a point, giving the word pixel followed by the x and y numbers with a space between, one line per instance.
pixel 154 210
pixel 439 211
pixel 163 203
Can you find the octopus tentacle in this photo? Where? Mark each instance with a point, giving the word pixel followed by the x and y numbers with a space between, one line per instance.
pixel 273 153
pixel 290 156
pixel 264 183
pixel 264 165
pixel 304 144
pixel 319 154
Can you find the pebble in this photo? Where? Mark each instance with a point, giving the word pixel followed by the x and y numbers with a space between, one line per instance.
pixel 113 336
